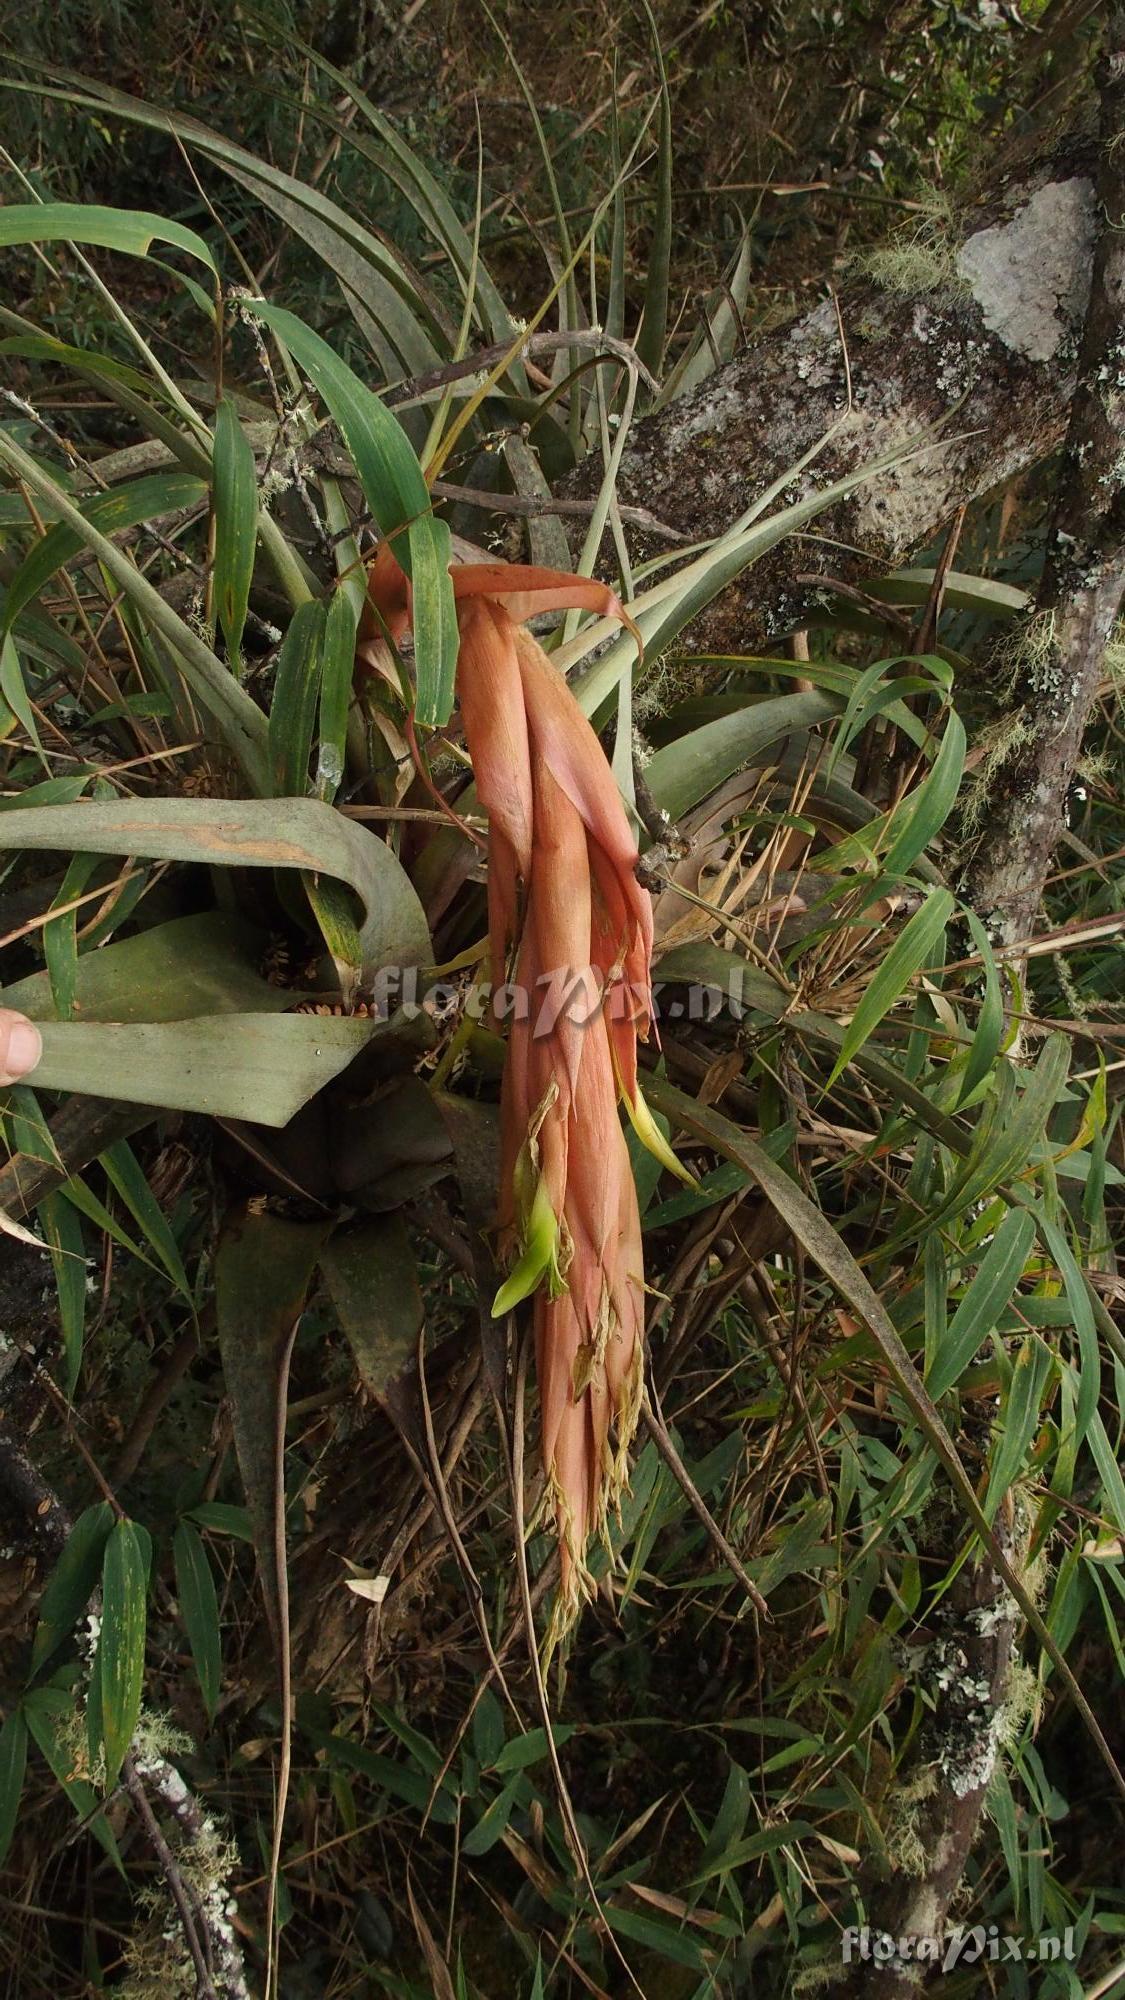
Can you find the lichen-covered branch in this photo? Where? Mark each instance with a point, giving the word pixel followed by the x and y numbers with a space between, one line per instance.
pixel 198 1861
pixel 1061 660
pixel 932 1820
pixel 973 327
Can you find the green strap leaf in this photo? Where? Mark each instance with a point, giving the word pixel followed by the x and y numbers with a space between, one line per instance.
pixel 372 1279
pixel 131 231
pixel 398 497
pixel 293 708
pixel 685 771
pixel 235 500
pixel 240 721
pixel 303 834
pixel 337 665
pixel 204 964
pixel 256 1067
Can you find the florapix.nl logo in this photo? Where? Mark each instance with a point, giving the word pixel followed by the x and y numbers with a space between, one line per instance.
pixel 573 995
pixel 961 1944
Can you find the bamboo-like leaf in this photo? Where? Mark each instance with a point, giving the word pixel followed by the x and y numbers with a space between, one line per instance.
pixel 63 1232
pixel 72 1582
pixel 398 497
pixel 1003 1144
pixel 130 231
pixel 520 1752
pixel 13 688
pixel 241 722
pixel 199 1604
pixel 285 833
pixel 122 507
pixel 827 1249
pixel 235 502
pixel 912 949
pixel 50 1719
pixel 123 1171
pixel 1019 1419
pixel 925 811
pixel 121 1647
pixel 60 937
pixel 293 708
pixel 493 1822
pixel 337 657
pixel 987 1297
pixel 872 694
pixel 985 1046
pixel 13 1760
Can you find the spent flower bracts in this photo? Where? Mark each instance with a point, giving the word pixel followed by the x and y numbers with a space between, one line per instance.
pixel 571 925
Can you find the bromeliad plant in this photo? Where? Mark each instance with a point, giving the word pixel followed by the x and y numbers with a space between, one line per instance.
pixel 179 644
pixel 569 919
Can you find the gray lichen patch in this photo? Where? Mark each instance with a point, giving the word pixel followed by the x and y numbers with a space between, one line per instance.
pixel 1031 276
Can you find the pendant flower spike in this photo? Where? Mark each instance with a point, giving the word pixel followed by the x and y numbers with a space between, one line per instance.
pixel 570 925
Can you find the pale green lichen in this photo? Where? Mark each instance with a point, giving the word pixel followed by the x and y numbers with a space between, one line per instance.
pixel 921 258
pixel 1114 657
pixel 906 1849
pixel 999 743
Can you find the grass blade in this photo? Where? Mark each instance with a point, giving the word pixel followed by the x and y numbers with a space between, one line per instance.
pixel 987 1297
pixel 653 330
pixel 63 1232
pixel 912 949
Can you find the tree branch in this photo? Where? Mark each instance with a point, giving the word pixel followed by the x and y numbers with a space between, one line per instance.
pixel 984 345
pixel 203 1904
pixel 1061 654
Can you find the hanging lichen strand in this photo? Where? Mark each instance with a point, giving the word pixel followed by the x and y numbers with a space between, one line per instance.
pixel 570 925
